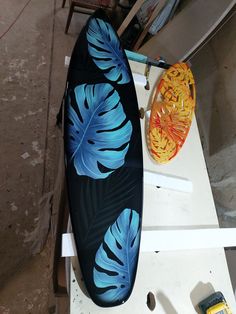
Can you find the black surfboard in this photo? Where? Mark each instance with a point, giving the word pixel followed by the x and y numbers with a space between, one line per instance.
pixel 104 165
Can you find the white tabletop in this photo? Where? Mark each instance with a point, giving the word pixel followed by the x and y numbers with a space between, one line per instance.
pixel 178 279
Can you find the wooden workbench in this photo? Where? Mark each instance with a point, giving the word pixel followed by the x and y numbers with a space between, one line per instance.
pixel 178 279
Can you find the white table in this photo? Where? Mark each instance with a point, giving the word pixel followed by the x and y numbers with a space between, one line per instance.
pixel 178 279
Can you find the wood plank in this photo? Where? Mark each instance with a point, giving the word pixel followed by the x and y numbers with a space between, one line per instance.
pixel 154 14
pixel 130 16
pixel 175 240
pixel 171 240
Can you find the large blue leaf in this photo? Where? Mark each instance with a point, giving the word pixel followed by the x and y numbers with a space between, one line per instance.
pixel 104 47
pixel 100 134
pixel 116 275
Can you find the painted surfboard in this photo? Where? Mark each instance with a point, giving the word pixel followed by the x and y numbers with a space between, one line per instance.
pixel 172 111
pixel 104 163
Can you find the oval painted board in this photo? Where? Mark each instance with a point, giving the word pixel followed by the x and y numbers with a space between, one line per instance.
pixel 104 164
pixel 172 111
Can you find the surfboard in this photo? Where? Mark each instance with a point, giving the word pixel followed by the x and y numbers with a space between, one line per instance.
pixel 104 163
pixel 172 109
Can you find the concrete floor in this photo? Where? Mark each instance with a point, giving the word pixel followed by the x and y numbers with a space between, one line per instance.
pixel 32 80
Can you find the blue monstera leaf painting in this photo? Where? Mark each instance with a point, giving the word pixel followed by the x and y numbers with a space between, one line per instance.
pixel 99 135
pixel 106 52
pixel 115 274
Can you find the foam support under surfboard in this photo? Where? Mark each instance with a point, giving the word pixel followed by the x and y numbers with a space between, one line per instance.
pixel 104 164
pixel 154 240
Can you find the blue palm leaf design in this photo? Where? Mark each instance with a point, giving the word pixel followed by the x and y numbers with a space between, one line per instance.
pixel 104 47
pixel 122 240
pixel 100 134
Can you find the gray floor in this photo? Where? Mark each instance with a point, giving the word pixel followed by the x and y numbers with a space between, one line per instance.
pixel 32 80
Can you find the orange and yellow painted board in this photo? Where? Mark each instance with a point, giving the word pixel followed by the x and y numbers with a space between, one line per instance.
pixel 172 109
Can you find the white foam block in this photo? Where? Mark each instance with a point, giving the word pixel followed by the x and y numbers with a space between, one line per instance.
pixel 68 245
pixel 171 240
pixel 67 61
pixel 167 181
pixel 139 79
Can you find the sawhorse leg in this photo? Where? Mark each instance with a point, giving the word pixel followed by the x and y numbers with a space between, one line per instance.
pixel 63 3
pixel 69 17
